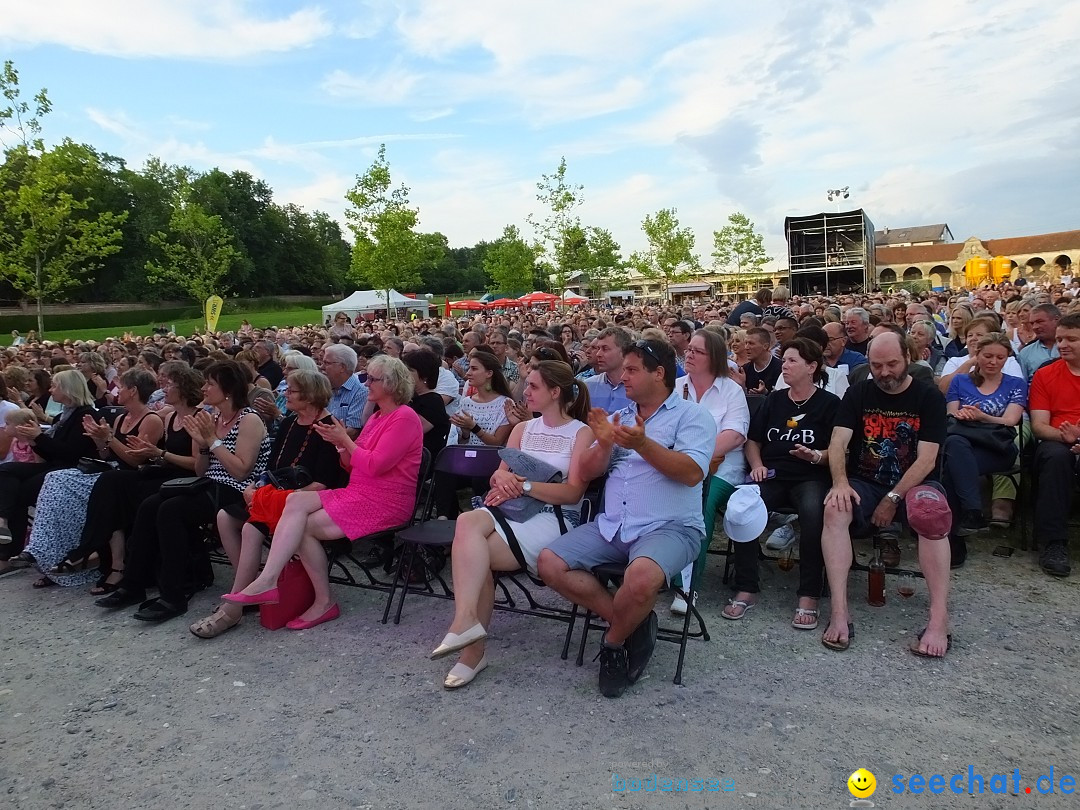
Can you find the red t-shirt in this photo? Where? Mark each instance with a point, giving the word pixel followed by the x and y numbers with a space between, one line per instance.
pixel 1056 389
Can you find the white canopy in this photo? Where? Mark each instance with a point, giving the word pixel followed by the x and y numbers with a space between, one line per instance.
pixel 371 300
pixel 570 295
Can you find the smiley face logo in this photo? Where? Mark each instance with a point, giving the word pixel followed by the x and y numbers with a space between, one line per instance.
pixel 862 784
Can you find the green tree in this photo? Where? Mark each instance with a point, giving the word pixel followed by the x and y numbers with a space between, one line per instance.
pixel 510 262
pixel 738 249
pixel 387 251
pixel 605 269
pixel 197 254
pixel 670 257
pixel 555 238
pixel 51 239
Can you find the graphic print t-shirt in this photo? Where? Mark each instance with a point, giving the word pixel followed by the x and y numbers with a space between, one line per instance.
pixel 887 428
pixel 779 425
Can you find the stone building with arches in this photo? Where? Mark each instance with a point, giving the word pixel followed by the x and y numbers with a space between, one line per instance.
pixel 1043 257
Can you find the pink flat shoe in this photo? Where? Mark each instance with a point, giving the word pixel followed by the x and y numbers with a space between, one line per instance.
pixel 299 624
pixel 270 597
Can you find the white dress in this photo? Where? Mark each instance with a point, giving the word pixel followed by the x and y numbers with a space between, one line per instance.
pixel 554 446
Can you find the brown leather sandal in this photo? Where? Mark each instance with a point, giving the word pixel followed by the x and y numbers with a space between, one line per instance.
pixel 215 624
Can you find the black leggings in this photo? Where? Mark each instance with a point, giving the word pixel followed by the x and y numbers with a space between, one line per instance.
pixel 20 484
pixel 167 542
pixel 446 492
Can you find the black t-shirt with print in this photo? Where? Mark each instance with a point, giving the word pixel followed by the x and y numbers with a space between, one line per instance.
pixel 769 375
pixel 887 428
pixel 779 425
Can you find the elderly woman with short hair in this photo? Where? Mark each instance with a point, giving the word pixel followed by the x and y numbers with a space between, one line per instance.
pixel 244 527
pixel 383 466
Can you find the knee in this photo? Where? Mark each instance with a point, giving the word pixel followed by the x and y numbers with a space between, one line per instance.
pixel 550 566
pixel 643 579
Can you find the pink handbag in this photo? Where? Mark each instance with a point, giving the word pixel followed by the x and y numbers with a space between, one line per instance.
pixel 296 595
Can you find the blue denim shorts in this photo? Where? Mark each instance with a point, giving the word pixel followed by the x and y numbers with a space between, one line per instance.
pixel 672 547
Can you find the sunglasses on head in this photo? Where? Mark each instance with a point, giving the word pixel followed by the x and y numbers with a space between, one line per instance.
pixel 645 347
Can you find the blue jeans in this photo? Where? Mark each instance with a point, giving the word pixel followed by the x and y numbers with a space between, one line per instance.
pixel 962 467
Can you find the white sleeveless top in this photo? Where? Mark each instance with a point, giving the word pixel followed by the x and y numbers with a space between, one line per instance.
pixel 552 445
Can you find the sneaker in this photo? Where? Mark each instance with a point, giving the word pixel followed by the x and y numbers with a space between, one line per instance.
pixel 1054 560
pixel 782 538
pixel 613 670
pixel 678 604
pixel 971 521
pixel 640 646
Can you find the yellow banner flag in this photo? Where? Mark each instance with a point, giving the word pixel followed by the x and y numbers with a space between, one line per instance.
pixel 213 312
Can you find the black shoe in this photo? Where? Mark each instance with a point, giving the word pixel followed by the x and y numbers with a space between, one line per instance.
pixel 1054 560
pixel 158 610
pixel 971 521
pixel 640 645
pixel 959 549
pixel 613 676
pixel 121 598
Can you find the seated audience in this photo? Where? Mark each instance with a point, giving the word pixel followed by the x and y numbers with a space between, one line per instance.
pixel 59 445
pixel 886 440
pixel 788 452
pixel 166 542
pixel 1055 421
pixel 980 399
pixel 659 449
pixel 383 469
pixel 481 420
pixel 62 503
pixel 708 383
pixel 243 527
pixel 485 540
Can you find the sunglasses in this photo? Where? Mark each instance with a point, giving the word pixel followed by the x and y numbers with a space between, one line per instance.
pixel 645 347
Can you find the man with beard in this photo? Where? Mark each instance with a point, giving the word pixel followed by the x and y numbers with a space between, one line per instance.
pixel 884 445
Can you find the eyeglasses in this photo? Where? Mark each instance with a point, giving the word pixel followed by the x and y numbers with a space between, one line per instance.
pixel 372 379
pixel 691 350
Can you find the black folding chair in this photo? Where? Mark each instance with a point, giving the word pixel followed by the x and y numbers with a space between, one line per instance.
pixel 611 575
pixel 339 551
pixel 469 461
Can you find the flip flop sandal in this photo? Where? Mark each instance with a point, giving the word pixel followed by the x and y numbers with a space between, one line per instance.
pixel 805 612
pixel 737 603
pixel 914 646
pixel 44 582
pixel 841 645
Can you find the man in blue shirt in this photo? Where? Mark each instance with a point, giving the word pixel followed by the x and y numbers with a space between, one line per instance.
pixel 1043 321
pixel 658 449
pixel 606 389
pixel 349 394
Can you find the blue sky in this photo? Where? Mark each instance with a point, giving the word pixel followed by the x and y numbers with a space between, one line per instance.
pixel 964 112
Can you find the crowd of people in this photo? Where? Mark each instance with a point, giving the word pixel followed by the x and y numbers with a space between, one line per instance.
pixel 822 417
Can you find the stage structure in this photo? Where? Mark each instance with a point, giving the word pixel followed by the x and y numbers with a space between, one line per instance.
pixel 831 253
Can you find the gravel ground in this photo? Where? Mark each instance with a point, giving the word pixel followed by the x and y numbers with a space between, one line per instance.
pixel 101 711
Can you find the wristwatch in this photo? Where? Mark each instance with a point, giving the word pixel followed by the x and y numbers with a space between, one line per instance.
pixel 215 444
pixel 895 497
pixel 526 487
pixel 475 429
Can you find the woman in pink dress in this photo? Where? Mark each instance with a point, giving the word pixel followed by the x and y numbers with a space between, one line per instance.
pixel 383 466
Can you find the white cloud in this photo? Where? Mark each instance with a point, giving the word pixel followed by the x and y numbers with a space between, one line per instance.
pixel 117 123
pixel 224 29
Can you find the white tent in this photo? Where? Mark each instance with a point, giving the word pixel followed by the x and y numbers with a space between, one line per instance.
pixel 572 297
pixel 367 301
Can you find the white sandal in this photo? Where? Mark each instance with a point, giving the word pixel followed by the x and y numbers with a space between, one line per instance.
pixel 737 603
pixel 805 612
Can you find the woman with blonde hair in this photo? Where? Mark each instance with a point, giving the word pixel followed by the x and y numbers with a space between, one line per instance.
pixel 959 317
pixel 383 465
pixel 59 445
